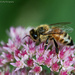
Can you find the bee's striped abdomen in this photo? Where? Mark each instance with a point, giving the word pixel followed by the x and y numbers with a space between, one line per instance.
pixel 71 43
pixel 63 38
pixel 66 39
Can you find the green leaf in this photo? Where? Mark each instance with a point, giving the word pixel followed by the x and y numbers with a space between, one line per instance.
pixel 11 68
pixel 56 73
pixel 48 71
pixel 34 57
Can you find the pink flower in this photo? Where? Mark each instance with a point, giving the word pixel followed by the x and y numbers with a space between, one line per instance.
pixel 40 49
pixel 48 62
pixel 17 52
pixel 22 52
pixel 27 40
pixel 62 72
pixel 40 60
pixel 66 64
pixel 10 47
pixel 19 64
pixel 10 57
pixel 30 62
pixel 55 67
pixel 32 49
pixel 23 71
pixel 51 53
pixel 14 32
pixel 1 64
pixel 36 69
pixel 61 55
pixel 7 73
pixel 70 58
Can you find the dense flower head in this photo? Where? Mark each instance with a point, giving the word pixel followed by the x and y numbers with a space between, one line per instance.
pixel 23 56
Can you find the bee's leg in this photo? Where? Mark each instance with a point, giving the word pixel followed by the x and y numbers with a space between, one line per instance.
pixel 29 41
pixel 39 40
pixel 46 43
pixel 56 45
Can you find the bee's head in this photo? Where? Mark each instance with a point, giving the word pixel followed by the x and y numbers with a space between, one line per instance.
pixel 33 34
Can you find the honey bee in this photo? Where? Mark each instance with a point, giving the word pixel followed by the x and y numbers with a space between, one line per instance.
pixel 45 33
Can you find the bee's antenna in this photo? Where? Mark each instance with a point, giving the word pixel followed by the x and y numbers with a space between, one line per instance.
pixel 26 36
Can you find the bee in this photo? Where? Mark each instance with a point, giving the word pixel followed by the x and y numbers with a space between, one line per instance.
pixel 56 32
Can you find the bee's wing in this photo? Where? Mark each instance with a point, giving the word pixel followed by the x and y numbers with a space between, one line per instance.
pixel 50 32
pixel 63 26
pixel 61 23
pixel 67 29
pixel 62 30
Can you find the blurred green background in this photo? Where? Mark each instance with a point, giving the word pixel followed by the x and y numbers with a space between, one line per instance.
pixel 35 12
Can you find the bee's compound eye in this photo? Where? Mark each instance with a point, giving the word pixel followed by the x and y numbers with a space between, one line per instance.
pixel 35 36
pixel 42 28
pixel 33 33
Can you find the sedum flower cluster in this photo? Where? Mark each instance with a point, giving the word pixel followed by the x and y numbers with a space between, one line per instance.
pixel 22 56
